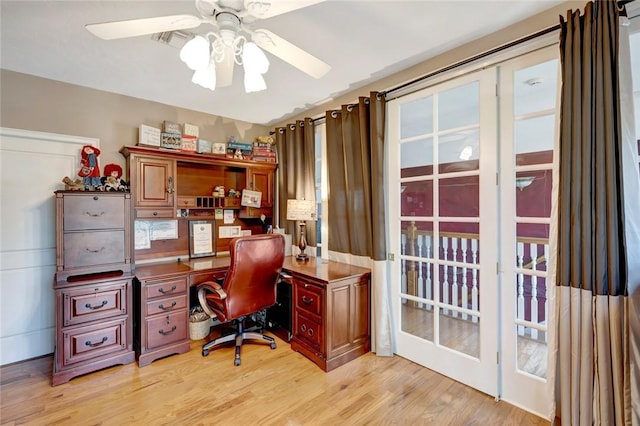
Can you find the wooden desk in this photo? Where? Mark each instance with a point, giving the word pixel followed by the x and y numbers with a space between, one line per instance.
pixel 330 308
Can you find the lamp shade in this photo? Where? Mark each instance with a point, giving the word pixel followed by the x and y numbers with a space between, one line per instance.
pixel 206 77
pixel 195 53
pixel 254 59
pixel 301 210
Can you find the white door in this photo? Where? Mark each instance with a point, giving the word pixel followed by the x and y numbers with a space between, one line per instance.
pixel 470 178
pixel 528 95
pixel 32 165
pixel 443 227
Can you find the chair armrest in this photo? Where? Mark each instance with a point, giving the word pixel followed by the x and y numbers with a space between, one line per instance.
pixel 210 287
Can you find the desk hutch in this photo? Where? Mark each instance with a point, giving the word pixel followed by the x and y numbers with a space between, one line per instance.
pixel 147 307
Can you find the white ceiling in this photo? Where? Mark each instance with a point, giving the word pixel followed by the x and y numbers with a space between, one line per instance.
pixel 363 41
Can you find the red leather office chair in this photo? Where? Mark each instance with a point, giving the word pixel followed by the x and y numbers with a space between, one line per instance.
pixel 248 287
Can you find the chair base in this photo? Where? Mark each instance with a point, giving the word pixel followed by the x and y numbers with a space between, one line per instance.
pixel 239 336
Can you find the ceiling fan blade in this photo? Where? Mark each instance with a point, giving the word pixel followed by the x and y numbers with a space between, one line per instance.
pixel 138 27
pixel 224 69
pixel 266 9
pixel 290 53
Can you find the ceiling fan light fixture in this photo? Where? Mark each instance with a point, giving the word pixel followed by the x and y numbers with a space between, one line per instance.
pixel 254 59
pixel 254 82
pixel 206 77
pixel 195 53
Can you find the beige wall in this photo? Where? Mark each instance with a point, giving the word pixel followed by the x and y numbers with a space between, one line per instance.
pixel 33 103
pixel 517 31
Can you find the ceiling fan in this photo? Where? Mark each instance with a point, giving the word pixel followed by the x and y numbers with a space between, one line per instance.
pixel 233 43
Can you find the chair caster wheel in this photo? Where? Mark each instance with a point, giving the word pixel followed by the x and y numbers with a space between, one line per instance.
pixel 205 352
pixel 236 362
pixel 273 345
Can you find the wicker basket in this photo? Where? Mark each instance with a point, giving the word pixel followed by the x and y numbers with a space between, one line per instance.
pixel 199 330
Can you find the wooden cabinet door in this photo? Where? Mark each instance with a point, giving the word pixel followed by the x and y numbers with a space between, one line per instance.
pixel 261 180
pixel 155 182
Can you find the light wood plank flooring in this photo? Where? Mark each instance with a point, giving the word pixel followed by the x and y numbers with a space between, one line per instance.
pixel 271 387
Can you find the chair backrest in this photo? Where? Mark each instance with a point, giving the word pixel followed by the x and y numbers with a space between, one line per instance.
pixel 250 283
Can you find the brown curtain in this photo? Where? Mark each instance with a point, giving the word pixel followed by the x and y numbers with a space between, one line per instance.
pixel 355 154
pixel 593 372
pixel 295 177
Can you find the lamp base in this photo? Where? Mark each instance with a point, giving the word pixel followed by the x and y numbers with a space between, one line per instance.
pixel 302 257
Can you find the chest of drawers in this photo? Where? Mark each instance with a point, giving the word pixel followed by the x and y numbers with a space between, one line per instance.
pixel 161 317
pixel 93 283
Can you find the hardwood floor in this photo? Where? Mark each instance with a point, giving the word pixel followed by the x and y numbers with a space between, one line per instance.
pixel 271 387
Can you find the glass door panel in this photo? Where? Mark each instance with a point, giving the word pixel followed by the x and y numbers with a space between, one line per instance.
pixel 439 218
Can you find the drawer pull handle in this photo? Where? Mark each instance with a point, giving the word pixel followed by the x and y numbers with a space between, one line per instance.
pixel 166 308
pixel 163 291
pixel 94 214
pixel 100 306
pixel 93 345
pixel 165 333
pixel 303 327
pixel 307 301
pixel 95 251
pixel 310 332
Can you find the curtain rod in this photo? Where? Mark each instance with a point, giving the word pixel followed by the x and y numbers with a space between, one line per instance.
pixel 489 52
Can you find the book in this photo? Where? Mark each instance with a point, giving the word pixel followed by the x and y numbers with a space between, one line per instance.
pixel 191 130
pixel 240 145
pixel 171 127
pixel 188 143
pixel 171 140
pixel 148 135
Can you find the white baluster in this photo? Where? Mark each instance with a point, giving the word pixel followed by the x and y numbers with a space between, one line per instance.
pixel 520 298
pixel 403 266
pixel 445 275
pixel 534 290
pixel 546 292
pixel 465 289
pixel 454 286
pixel 474 278
pixel 420 281
pixel 428 240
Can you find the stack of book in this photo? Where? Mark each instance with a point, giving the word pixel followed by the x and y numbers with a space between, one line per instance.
pixel 263 151
pixel 239 150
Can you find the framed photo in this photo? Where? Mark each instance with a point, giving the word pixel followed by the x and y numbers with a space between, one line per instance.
pixel 219 148
pixel 202 238
pixel 251 198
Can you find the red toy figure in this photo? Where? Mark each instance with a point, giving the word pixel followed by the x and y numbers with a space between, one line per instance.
pixel 111 181
pixel 90 170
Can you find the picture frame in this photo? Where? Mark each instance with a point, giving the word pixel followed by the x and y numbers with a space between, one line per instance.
pixel 251 198
pixel 219 148
pixel 202 238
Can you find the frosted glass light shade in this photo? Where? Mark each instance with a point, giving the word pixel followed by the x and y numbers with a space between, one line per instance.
pixel 206 77
pixel 195 53
pixel 254 82
pixel 254 59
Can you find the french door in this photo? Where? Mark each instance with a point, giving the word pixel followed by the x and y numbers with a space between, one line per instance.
pixel 443 226
pixel 470 180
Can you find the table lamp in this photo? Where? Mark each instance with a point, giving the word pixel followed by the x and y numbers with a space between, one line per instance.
pixel 301 211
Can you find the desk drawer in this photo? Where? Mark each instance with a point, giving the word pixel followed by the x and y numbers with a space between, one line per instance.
pixel 165 329
pixel 165 288
pixel 93 212
pixel 169 304
pixel 93 248
pixel 88 342
pixel 308 297
pixel 155 214
pixel 91 303
pixel 308 330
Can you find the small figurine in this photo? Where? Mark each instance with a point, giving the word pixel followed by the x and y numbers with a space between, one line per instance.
pixel 238 154
pixel 90 170
pixel 73 185
pixel 112 181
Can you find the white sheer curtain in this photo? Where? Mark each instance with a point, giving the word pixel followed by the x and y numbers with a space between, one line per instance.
pixel 632 207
